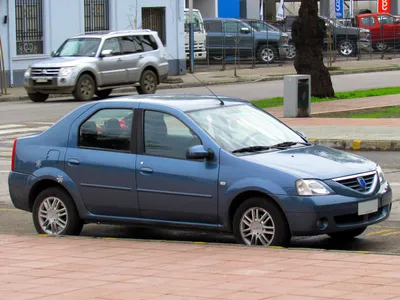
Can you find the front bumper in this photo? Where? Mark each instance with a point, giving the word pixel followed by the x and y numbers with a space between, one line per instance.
pixel 48 85
pixel 364 45
pixel 336 213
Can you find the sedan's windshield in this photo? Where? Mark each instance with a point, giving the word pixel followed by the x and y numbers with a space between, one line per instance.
pixel 242 126
pixel 79 47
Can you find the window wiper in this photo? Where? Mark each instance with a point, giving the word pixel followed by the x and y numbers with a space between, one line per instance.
pixel 289 144
pixel 251 149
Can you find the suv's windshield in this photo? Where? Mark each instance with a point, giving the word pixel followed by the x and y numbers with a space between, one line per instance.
pixel 243 126
pixel 79 47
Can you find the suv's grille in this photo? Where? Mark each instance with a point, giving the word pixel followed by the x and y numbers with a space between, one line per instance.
pixel 45 71
pixel 362 183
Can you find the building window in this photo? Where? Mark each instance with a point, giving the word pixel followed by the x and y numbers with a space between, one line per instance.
pixel 29 26
pixel 154 18
pixel 96 15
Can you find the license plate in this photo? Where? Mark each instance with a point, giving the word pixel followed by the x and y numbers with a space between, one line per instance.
pixel 367 207
pixel 42 80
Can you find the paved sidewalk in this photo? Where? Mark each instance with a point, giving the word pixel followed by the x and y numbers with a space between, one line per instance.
pixel 244 74
pixel 34 267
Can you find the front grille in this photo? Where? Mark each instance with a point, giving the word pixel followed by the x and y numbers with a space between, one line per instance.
pixel 356 182
pixel 353 219
pixel 45 72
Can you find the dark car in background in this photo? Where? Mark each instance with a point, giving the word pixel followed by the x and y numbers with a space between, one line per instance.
pixel 233 37
pixel 348 41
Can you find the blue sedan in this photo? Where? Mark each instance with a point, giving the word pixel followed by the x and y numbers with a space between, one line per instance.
pixel 193 161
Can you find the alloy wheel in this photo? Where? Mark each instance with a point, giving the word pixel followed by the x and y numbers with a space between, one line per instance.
pixel 257 227
pixel 53 215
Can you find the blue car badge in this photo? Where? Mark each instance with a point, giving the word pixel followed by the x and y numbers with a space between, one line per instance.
pixel 362 183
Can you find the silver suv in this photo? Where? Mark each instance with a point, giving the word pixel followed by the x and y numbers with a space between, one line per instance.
pixel 97 63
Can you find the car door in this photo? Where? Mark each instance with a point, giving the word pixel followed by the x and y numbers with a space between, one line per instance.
pixel 231 36
pixel 133 53
pixel 387 27
pixel 215 38
pixel 100 160
pixel 169 186
pixel 112 67
pixel 370 23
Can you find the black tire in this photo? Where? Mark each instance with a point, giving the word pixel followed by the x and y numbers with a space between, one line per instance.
pixel 85 88
pixel 73 225
pixel 103 93
pixel 38 97
pixel 148 83
pixel 281 235
pixel 348 234
pixel 266 54
pixel 347 48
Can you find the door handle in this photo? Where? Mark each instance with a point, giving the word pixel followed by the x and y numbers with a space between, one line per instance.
pixel 229 35
pixel 119 59
pixel 141 56
pixel 73 162
pixel 146 170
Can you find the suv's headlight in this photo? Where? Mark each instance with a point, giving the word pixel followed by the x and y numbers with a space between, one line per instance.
pixel 312 188
pixel 66 71
pixel 27 72
pixel 380 174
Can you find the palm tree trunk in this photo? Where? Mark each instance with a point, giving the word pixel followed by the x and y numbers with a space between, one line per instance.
pixel 308 33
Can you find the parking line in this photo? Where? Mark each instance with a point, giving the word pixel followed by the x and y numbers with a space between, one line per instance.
pixel 391 233
pixel 5 171
pixel 378 232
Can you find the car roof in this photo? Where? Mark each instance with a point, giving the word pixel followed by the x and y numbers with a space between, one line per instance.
pixel 183 102
pixel 220 19
pixel 114 33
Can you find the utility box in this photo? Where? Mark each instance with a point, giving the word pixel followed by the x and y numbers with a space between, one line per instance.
pixel 297 96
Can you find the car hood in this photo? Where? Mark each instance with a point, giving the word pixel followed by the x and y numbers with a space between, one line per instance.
pixel 315 161
pixel 61 62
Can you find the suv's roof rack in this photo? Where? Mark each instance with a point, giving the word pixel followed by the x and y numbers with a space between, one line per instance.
pixel 108 32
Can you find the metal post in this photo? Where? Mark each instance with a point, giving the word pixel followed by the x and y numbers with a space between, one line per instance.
pixel 191 37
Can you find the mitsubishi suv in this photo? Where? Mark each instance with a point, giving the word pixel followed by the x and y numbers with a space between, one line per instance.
pixel 96 63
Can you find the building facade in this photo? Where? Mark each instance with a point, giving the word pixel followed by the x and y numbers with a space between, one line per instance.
pixel 32 29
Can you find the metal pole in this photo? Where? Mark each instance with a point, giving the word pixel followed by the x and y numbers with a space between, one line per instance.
pixel 191 37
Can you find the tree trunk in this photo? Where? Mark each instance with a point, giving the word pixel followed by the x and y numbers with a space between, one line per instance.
pixel 308 33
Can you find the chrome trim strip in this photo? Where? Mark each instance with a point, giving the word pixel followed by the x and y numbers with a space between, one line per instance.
pixel 354 176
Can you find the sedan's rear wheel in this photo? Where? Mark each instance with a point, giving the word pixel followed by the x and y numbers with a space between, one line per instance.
pixel 55 213
pixel 258 221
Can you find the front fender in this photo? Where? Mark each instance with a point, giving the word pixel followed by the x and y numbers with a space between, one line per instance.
pixel 94 71
pixel 62 178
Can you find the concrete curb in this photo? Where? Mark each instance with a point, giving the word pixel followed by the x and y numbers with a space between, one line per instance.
pixel 239 80
pixel 359 145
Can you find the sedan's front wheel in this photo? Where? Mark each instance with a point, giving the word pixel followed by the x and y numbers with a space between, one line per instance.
pixel 258 221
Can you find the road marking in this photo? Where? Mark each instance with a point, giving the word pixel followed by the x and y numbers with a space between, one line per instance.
pixel 11 126
pixel 378 232
pixel 37 129
pixel 9 209
pixel 4 171
pixel 42 123
pixel 394 183
pixel 391 233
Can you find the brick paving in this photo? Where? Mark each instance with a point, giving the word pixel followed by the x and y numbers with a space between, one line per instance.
pixel 37 267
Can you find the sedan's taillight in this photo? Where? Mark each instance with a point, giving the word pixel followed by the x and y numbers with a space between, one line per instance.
pixel 13 155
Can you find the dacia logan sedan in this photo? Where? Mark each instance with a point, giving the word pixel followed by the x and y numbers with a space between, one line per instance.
pixel 193 161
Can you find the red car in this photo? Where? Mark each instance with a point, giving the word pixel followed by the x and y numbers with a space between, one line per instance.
pixel 384 29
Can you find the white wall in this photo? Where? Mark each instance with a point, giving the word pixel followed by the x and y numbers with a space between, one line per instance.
pixel 208 8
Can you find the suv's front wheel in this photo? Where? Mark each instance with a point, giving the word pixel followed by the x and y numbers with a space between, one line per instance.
pixel 85 88
pixel 38 97
pixel 148 83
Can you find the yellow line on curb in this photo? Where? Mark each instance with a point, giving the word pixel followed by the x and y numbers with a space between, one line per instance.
pixel 10 209
pixel 378 232
pixel 356 145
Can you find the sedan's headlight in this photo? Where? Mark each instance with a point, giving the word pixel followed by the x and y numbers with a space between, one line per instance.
pixel 312 188
pixel 66 71
pixel 380 174
pixel 27 72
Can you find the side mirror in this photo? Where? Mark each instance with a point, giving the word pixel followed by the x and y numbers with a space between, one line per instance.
pixel 244 30
pixel 301 134
pixel 106 53
pixel 52 53
pixel 198 152
pixel 397 21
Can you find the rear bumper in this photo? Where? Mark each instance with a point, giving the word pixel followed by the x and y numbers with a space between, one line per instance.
pixel 338 213
pixel 19 185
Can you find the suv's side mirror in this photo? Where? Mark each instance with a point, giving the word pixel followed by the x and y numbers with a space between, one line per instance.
pixel 198 152
pixel 52 53
pixel 244 30
pixel 105 53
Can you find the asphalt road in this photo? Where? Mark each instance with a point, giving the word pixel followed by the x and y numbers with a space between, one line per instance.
pixel 384 237
pixel 52 110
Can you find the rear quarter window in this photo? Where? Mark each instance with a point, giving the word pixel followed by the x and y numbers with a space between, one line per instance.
pixel 149 43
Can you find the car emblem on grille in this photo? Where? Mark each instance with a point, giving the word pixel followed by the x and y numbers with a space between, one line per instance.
pixel 362 183
pixel 44 72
